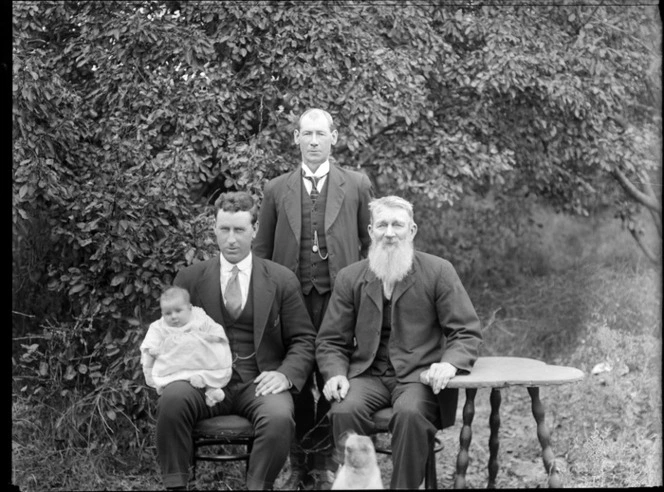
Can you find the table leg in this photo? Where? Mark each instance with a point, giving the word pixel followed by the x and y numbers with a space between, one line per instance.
pixel 465 438
pixel 544 438
pixel 494 425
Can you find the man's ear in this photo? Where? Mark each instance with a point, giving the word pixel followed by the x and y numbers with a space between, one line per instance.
pixel 413 229
pixel 296 136
pixel 334 135
pixel 253 236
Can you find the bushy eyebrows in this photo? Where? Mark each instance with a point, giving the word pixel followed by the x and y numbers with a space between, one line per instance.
pixel 390 221
pixel 236 228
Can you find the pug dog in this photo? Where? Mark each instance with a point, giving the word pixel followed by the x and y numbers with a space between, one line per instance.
pixel 360 468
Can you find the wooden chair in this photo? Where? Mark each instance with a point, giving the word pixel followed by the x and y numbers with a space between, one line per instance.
pixel 381 419
pixel 220 431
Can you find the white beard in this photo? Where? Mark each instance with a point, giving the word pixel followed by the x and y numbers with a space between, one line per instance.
pixel 391 265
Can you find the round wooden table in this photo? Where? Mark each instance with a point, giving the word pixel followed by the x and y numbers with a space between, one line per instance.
pixel 501 372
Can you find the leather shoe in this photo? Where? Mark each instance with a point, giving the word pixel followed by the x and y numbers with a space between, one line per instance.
pixel 298 479
pixel 323 479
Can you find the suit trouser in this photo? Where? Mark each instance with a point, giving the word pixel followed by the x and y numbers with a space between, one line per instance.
pixel 413 425
pixel 181 405
pixel 308 413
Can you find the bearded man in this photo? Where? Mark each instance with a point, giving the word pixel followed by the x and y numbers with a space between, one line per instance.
pixel 392 316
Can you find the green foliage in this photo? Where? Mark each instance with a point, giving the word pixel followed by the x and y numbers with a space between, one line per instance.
pixel 96 384
pixel 129 117
pixel 489 240
pixel 124 113
pixel 630 398
pixel 119 217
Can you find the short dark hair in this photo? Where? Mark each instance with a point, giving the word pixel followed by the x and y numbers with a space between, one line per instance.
pixel 237 201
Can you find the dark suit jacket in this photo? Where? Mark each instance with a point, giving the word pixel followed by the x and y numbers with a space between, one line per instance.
pixel 346 219
pixel 283 333
pixel 433 320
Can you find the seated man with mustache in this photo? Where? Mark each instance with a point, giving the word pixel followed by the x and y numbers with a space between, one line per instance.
pixel 392 316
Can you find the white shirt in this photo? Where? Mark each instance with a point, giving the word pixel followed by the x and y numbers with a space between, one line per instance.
pixel 320 174
pixel 244 275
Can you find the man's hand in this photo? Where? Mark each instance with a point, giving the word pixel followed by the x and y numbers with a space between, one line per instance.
pixel 438 375
pixel 271 382
pixel 336 388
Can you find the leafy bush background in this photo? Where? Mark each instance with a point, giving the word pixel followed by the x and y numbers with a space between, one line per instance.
pixel 129 118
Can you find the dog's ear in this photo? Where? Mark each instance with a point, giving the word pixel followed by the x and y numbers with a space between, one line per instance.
pixel 366 440
pixel 344 437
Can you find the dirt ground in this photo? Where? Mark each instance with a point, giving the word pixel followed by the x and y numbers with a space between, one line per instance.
pixel 519 457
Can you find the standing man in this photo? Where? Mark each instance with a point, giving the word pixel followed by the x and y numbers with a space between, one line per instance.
pixel 314 221
pixel 400 325
pixel 271 337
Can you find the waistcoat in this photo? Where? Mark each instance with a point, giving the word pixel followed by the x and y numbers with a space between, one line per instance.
pixel 314 272
pixel 240 333
pixel 381 365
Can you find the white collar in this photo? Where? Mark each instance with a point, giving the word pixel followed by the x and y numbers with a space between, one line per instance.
pixel 242 265
pixel 322 170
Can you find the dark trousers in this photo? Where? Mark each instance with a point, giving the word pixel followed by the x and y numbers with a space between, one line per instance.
pixel 181 405
pixel 309 414
pixel 413 425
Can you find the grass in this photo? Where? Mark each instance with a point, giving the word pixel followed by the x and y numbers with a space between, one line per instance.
pixel 583 295
pixel 607 429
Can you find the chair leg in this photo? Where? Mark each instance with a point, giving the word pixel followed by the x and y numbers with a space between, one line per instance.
pixel 250 447
pixel 430 479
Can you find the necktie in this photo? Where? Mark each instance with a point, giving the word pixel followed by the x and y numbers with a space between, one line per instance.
pixel 233 296
pixel 314 186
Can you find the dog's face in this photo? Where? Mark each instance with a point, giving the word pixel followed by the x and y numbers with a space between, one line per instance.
pixel 360 469
pixel 359 451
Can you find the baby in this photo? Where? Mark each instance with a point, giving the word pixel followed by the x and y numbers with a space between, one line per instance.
pixel 360 468
pixel 186 344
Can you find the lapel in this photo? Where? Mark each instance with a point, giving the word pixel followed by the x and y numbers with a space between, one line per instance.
pixel 336 189
pixel 404 284
pixel 210 290
pixel 373 289
pixel 293 202
pixel 264 291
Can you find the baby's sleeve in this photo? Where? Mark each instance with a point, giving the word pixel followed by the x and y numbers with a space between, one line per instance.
pixel 214 330
pixel 149 348
pixel 151 343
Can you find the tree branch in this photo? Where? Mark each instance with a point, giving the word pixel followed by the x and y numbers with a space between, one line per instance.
pixel 649 201
pixel 644 247
pixel 371 138
pixel 633 38
pixel 583 24
pixel 657 219
pixel 656 216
